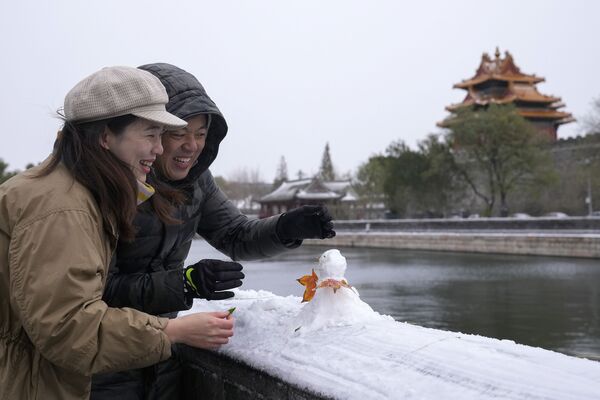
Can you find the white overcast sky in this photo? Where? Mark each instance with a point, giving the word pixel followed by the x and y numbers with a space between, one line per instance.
pixel 290 76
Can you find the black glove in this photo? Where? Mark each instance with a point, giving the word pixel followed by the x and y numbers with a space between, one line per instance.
pixel 306 222
pixel 208 279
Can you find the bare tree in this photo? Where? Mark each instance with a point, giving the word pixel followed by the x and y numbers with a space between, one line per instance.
pixel 245 186
pixel 591 122
pixel 496 150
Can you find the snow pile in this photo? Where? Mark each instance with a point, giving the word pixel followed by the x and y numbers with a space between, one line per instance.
pixel 346 350
pixel 329 309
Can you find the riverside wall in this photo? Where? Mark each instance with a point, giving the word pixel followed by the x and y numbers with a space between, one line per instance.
pixel 214 376
pixel 563 237
pixel 568 224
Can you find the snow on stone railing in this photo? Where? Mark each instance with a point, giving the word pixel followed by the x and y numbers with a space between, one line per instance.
pixel 336 345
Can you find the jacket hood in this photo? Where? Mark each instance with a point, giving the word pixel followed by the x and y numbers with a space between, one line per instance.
pixel 187 98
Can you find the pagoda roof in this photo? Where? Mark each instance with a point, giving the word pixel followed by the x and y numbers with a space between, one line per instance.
pixel 559 117
pixel 514 92
pixel 525 92
pixel 501 69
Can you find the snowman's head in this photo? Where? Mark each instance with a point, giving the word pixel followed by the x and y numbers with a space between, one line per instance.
pixel 332 264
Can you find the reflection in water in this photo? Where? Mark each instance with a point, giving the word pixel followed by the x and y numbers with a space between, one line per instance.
pixel 539 301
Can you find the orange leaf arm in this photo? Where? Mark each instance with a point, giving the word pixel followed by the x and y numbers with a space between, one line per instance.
pixel 310 281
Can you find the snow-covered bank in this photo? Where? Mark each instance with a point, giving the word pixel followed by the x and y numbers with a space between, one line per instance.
pixel 370 356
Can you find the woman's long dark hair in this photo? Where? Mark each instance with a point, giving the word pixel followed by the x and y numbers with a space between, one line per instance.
pixel 110 180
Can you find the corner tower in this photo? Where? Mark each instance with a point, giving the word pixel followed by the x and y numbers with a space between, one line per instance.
pixel 499 81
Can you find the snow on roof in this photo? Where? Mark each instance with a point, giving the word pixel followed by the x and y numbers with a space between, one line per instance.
pixel 309 189
pixel 286 191
pixel 365 355
pixel 350 195
pixel 337 186
pixel 304 195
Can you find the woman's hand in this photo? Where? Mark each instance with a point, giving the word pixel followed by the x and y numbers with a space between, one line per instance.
pixel 205 330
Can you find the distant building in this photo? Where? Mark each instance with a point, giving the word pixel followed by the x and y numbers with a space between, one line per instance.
pixel 500 81
pixel 338 196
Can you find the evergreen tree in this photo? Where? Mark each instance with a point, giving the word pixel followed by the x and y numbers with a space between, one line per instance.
pixel 326 171
pixel 282 173
pixel 412 183
pixel 370 178
pixel 4 174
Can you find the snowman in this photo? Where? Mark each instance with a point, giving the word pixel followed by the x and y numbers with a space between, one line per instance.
pixel 330 300
pixel 332 266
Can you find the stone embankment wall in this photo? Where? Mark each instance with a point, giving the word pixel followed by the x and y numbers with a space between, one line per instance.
pixel 589 224
pixel 214 376
pixel 526 244
pixel 564 237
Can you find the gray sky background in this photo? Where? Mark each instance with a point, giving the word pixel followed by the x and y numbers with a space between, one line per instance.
pixel 291 76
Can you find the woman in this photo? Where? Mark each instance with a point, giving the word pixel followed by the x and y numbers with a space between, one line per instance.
pixel 59 224
pixel 148 273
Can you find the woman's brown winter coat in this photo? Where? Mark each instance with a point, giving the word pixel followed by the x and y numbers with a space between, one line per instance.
pixel 55 330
